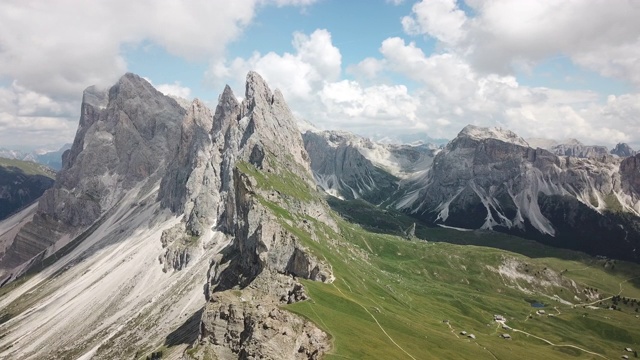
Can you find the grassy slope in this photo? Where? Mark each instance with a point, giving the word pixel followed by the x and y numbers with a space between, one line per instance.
pixel 27 167
pixel 410 287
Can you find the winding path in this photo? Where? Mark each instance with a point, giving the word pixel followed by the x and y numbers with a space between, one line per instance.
pixel 559 345
pixel 376 320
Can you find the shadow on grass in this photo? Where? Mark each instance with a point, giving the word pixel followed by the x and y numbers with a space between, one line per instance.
pixel 388 221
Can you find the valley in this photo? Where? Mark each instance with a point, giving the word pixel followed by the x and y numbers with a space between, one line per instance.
pixel 178 232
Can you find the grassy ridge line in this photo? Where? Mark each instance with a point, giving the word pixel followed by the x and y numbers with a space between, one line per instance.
pixel 27 167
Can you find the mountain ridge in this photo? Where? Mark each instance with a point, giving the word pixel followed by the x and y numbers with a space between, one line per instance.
pixel 202 233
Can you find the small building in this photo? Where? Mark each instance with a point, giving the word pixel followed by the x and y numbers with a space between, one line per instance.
pixel 628 349
pixel 463 332
pixel 625 356
pixel 471 336
pixel 499 318
pixel 541 312
pixel 506 327
pixel 445 321
pixel 506 336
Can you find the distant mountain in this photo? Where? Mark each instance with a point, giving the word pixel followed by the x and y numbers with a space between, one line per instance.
pixel 21 183
pixel 52 159
pixel 492 179
pixel 486 178
pixel 623 150
pixel 351 167
pixel 569 147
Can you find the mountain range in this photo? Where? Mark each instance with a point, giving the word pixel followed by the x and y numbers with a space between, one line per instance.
pixel 177 231
pixel 51 159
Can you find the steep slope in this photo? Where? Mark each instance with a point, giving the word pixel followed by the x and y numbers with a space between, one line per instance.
pixel 351 167
pixel 154 202
pixel 495 181
pixel 21 183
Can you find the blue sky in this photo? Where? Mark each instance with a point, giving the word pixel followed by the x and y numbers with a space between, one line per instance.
pixel 384 69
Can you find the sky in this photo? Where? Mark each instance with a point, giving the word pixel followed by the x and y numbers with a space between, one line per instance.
pixel 385 69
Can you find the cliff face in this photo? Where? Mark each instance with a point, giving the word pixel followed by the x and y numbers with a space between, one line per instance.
pixel 350 167
pixel 253 146
pixel 488 181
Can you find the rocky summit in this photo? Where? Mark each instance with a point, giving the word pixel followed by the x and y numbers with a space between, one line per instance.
pixel 178 231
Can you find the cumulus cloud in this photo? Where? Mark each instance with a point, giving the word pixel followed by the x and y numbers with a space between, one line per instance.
pixel 452 94
pixel 298 75
pixel 448 93
pixel 175 89
pixel 27 117
pixel 349 103
pixel 441 19
pixel 599 35
pixel 369 68
pixel 57 48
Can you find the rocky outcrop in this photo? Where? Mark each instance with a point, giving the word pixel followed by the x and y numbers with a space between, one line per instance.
pixel 252 326
pixel 623 150
pixel 630 173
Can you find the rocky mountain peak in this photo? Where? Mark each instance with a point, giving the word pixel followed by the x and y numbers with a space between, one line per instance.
pixel 256 90
pixel 481 133
pixel 623 150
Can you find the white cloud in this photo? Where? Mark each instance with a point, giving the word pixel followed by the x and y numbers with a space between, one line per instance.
pixel 441 19
pixel 451 94
pixel 57 48
pixel 599 35
pixel 369 68
pixel 348 103
pixel 298 75
pixel 175 89
pixel 30 119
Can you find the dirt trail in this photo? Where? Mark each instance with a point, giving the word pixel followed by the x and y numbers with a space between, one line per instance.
pixel 559 345
pixel 376 320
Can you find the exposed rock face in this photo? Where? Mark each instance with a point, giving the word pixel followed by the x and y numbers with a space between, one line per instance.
pixel 630 172
pixel 623 150
pixel 124 136
pixel 351 167
pixel 204 183
pixel 496 182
